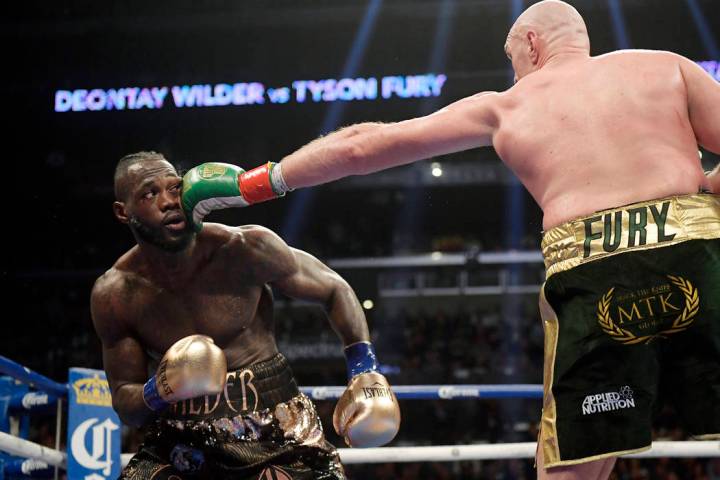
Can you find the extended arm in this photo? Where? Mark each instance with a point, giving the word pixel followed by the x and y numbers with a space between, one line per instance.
pixel 355 150
pixel 366 148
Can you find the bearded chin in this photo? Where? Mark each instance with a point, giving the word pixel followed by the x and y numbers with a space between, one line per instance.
pixel 158 237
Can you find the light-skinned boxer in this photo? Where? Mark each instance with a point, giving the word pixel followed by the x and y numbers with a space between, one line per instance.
pixel 608 147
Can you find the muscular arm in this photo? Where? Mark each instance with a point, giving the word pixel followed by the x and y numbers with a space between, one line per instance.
pixel 300 275
pixel 124 360
pixel 369 147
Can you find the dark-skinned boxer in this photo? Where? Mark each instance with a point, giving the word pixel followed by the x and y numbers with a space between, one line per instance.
pixel 222 402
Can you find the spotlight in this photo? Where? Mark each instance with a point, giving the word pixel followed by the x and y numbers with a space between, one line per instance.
pixel 368 304
pixel 436 169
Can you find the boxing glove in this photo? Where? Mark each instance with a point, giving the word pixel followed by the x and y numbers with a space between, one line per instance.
pixel 193 366
pixel 213 186
pixel 367 414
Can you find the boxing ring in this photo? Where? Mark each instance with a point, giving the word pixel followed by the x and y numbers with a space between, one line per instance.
pixel 54 393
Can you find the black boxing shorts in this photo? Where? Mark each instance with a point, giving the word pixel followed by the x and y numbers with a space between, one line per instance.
pixel 261 427
pixel 631 311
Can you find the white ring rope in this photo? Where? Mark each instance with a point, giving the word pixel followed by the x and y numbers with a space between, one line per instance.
pixel 24 448
pixel 438 453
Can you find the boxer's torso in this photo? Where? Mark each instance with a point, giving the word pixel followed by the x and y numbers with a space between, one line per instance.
pixel 599 132
pixel 218 297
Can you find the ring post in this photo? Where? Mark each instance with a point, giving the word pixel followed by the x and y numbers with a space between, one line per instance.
pixel 93 434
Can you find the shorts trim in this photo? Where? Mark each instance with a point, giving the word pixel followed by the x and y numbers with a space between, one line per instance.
pixel 639 226
pixel 548 423
pixel 578 461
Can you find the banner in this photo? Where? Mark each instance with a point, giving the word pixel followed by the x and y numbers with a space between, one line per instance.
pixel 235 94
pixel 93 443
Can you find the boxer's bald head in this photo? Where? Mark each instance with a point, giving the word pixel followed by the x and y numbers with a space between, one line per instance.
pixel 545 29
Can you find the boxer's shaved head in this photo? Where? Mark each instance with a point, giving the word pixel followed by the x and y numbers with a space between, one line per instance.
pixel 559 23
pixel 544 30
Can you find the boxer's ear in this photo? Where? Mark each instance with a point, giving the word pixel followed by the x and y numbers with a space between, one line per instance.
pixel 532 46
pixel 120 213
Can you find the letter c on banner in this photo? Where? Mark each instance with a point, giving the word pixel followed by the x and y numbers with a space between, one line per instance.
pixel 101 444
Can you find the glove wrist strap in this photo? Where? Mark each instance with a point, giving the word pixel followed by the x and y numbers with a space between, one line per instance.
pixel 262 183
pixel 277 180
pixel 360 358
pixel 151 396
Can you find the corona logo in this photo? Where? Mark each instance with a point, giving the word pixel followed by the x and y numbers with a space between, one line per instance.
pixel 93 391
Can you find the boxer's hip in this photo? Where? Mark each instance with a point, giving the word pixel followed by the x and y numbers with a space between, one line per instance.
pixel 253 388
pixel 260 421
pixel 639 226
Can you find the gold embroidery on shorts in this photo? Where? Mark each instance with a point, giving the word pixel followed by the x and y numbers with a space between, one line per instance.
pixel 680 323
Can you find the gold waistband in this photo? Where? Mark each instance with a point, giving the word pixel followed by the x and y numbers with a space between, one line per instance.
pixel 639 226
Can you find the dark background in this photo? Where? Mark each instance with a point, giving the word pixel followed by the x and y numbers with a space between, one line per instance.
pixel 60 232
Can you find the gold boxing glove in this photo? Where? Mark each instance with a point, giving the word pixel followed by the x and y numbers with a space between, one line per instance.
pixel 193 366
pixel 367 414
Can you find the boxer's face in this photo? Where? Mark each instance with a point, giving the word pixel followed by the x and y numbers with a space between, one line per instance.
pixel 153 209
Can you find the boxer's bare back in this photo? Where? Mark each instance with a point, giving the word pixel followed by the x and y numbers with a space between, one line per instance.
pixel 588 133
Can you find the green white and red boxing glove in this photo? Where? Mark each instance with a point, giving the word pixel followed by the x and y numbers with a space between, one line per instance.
pixel 214 186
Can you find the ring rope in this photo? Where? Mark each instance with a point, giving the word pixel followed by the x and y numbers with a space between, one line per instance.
pixel 437 453
pixel 439 392
pixel 25 448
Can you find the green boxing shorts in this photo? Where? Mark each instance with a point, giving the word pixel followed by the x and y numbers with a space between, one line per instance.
pixel 631 312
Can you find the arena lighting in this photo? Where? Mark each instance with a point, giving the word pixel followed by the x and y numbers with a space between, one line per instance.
pixel 712 67
pixel 436 169
pixel 410 218
pixel 368 304
pixel 295 218
pixel 706 33
pixel 515 228
pixel 514 193
pixel 620 32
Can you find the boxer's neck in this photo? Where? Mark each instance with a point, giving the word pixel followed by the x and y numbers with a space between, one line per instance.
pixel 173 268
pixel 563 55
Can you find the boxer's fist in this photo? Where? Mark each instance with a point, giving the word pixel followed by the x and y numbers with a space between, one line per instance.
pixel 193 366
pixel 367 414
pixel 214 186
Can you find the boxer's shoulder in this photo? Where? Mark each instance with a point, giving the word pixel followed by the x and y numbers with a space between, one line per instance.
pixel 243 240
pixel 248 247
pixel 121 287
pixel 109 302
